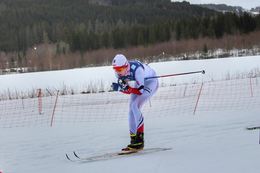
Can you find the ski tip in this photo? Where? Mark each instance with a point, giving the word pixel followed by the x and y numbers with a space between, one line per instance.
pixel 75 154
pixel 67 156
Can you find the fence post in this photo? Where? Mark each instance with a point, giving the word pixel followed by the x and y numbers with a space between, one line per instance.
pixel 184 93
pixel 53 112
pixel 22 102
pixel 251 87
pixel 197 102
pixel 39 101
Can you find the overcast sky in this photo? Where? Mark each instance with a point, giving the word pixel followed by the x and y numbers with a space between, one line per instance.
pixel 247 4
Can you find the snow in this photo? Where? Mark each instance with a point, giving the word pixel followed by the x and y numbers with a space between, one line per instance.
pixel 80 79
pixel 215 143
pixel 245 4
pixel 209 141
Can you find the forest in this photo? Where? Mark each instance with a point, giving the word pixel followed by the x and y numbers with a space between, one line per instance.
pixel 82 26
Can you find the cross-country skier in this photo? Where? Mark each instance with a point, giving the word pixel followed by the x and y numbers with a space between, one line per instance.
pixel 132 80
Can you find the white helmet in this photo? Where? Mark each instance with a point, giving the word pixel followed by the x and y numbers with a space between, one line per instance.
pixel 120 64
pixel 119 60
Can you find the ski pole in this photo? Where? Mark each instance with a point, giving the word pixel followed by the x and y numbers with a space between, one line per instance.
pixel 176 74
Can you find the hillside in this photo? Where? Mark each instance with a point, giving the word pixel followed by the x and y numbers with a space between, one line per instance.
pixel 25 23
pixel 41 35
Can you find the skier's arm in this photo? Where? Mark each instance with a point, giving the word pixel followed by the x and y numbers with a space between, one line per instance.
pixel 131 90
pixel 126 89
pixel 139 83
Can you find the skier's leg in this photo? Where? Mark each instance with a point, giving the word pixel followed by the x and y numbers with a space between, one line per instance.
pixel 131 117
pixel 135 117
pixel 138 117
pixel 151 87
pixel 131 122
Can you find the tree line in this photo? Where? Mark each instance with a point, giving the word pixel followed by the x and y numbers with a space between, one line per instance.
pixel 124 35
pixel 82 26
pixel 88 24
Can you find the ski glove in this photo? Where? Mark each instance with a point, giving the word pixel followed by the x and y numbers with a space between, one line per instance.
pixel 115 86
pixel 119 87
pixel 125 89
pixel 122 86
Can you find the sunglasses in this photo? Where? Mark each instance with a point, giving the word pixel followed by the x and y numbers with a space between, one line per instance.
pixel 120 69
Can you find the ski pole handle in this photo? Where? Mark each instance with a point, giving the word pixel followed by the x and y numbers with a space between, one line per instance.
pixel 176 74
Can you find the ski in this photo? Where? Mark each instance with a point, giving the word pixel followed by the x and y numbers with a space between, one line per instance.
pixel 78 158
pixel 74 158
pixel 113 155
pixel 67 156
pixel 132 151
pixel 76 155
pixel 253 128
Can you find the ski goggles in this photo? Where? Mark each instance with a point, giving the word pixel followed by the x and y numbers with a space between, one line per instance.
pixel 120 69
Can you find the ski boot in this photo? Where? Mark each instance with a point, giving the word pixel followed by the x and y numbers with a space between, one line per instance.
pixel 136 143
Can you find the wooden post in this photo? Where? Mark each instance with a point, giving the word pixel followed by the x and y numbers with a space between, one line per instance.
pixel 53 112
pixel 39 101
pixel 251 87
pixel 184 93
pixel 197 102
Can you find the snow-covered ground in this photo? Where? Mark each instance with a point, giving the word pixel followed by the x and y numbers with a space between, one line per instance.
pixel 215 142
pixel 209 141
pixel 81 79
